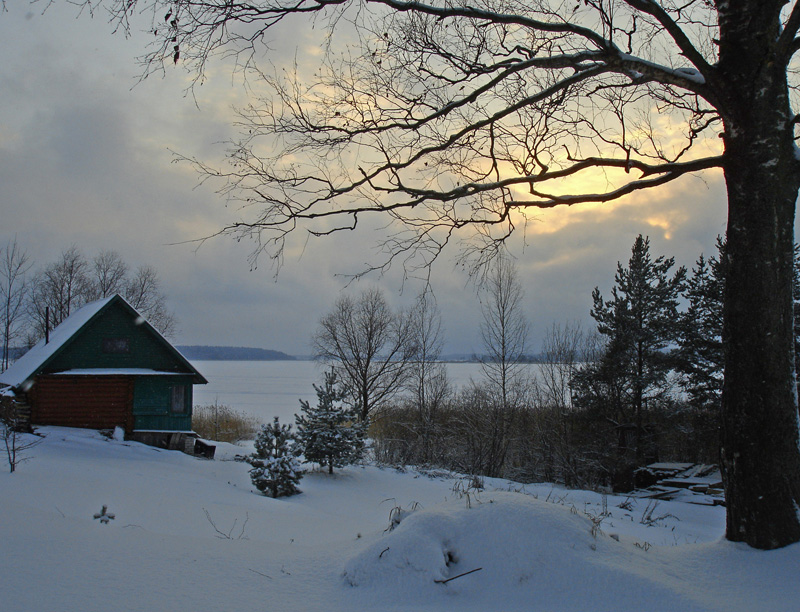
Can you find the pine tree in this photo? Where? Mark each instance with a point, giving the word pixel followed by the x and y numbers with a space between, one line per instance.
pixel 330 433
pixel 700 355
pixel 276 468
pixel 639 322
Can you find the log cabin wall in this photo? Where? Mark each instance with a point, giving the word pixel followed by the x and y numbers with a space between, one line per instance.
pixel 94 402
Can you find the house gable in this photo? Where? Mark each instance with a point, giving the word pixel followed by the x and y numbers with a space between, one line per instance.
pixel 103 336
pixel 117 339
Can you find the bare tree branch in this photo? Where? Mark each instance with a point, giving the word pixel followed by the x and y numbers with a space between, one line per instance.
pixel 687 48
pixel 788 42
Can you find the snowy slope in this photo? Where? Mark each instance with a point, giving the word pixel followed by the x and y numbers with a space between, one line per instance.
pixel 327 549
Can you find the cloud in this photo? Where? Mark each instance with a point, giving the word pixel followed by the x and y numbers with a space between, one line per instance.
pixel 86 158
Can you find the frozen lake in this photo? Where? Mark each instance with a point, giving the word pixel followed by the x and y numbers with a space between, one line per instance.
pixel 266 389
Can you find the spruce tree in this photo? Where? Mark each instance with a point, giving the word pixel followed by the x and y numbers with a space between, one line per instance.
pixel 638 323
pixel 276 468
pixel 330 433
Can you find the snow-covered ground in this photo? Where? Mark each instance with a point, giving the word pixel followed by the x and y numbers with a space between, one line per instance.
pixel 191 534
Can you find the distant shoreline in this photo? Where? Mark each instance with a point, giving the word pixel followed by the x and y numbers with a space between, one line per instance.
pixel 232 353
pixel 244 353
pixel 240 353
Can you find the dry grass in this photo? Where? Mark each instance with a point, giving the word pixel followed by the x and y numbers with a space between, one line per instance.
pixel 223 424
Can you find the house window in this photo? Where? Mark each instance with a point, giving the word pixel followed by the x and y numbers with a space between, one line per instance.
pixel 116 345
pixel 178 399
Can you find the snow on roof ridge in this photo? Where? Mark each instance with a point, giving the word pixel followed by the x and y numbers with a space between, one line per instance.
pixel 119 371
pixel 26 365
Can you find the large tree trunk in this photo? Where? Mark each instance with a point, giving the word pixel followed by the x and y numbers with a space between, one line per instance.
pixel 760 454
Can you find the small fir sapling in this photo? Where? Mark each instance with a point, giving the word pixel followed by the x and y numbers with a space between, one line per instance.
pixel 329 433
pixel 276 468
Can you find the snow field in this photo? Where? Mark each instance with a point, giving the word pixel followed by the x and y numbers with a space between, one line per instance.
pixel 193 534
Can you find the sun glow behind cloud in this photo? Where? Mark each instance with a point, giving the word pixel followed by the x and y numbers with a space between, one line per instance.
pixel 666 209
pixel 664 216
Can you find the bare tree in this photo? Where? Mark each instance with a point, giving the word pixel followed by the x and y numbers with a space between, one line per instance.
pixel 13 425
pixel 142 290
pixel 58 289
pixel 494 408
pixel 504 332
pixel 370 345
pixel 564 349
pixel 452 115
pixel 109 274
pixel 427 376
pixel 14 265
pixel 72 281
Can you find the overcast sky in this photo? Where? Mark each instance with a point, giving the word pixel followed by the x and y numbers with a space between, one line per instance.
pixel 86 160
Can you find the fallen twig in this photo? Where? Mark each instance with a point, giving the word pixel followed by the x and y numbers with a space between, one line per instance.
pixel 228 536
pixel 259 573
pixel 477 569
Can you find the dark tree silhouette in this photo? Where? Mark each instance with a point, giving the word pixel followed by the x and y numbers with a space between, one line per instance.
pixel 640 320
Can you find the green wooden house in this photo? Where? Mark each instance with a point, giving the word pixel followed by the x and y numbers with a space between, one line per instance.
pixel 104 367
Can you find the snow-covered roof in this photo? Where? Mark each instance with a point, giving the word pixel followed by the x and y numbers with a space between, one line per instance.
pixel 116 371
pixel 27 365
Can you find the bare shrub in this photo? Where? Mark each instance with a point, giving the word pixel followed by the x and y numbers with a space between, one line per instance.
pixel 540 435
pixel 401 435
pixel 484 431
pixel 222 423
pixel 471 433
pixel 397 435
pixel 13 437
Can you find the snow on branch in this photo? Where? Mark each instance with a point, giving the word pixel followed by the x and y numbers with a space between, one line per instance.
pixel 458 10
pixel 789 43
pixel 688 49
pixel 549 201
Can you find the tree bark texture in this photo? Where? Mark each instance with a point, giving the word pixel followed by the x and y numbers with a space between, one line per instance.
pixel 760 456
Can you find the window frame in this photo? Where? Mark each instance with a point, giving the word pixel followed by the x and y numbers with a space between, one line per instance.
pixel 116 345
pixel 177 399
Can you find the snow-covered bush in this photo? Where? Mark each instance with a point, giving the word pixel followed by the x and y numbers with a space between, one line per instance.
pixel 329 433
pixel 276 468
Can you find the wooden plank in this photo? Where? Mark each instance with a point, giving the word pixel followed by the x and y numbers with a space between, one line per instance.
pixel 95 402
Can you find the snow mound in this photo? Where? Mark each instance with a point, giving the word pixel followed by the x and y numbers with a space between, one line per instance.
pixel 511 537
